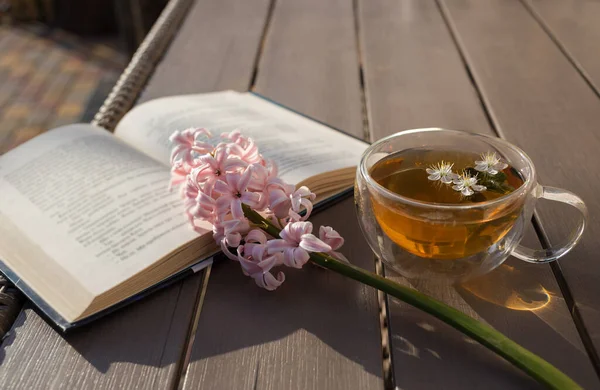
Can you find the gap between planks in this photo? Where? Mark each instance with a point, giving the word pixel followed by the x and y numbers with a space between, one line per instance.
pixel 389 381
pixel 541 234
pixel 540 20
pixel 363 93
pixel 261 46
pixel 588 344
pixel 184 360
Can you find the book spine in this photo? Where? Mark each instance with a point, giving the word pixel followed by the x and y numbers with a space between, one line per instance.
pixel 142 64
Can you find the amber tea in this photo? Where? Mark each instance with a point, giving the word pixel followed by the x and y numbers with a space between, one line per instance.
pixel 445 178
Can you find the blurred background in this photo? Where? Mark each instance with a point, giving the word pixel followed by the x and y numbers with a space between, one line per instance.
pixel 59 59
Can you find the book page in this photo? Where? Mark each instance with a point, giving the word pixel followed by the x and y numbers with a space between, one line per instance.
pixel 301 147
pixel 98 207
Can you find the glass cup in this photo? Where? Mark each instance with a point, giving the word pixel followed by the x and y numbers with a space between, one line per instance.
pixel 453 242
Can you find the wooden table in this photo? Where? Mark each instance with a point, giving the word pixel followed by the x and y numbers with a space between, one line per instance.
pixel 527 71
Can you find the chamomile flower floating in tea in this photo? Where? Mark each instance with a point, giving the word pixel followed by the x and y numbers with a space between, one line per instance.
pixel 441 171
pixel 490 163
pixel 467 184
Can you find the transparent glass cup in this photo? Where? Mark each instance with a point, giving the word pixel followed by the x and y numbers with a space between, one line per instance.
pixel 453 242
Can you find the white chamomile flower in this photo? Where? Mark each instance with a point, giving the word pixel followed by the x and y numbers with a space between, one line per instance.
pixel 490 163
pixel 467 184
pixel 441 171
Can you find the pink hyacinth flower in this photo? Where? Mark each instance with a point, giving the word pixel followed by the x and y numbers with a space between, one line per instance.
pixel 197 205
pixel 263 175
pixel 229 234
pixel 213 167
pixel 203 208
pixel 296 242
pixel 301 197
pixel 265 182
pixel 244 147
pixel 334 240
pixel 279 201
pixel 187 145
pixel 233 192
pixel 179 172
pixel 235 136
pixel 249 153
pixel 331 237
pixel 189 192
pixel 257 263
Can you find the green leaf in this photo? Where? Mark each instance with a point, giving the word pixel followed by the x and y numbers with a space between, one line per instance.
pixel 499 177
pixel 495 183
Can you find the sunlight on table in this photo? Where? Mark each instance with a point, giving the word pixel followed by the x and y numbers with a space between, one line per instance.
pixel 509 287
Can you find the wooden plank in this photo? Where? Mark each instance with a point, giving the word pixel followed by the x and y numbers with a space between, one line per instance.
pixel 214 50
pixel 415 78
pixel 319 330
pixel 413 74
pixel 139 346
pixel 543 105
pixel 574 25
pixel 310 62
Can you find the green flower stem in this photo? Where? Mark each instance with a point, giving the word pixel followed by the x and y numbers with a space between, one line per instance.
pixel 527 361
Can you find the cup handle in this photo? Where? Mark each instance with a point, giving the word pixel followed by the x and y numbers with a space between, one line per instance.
pixel 550 254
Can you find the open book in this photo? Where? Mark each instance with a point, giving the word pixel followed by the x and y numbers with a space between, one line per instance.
pixel 87 223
